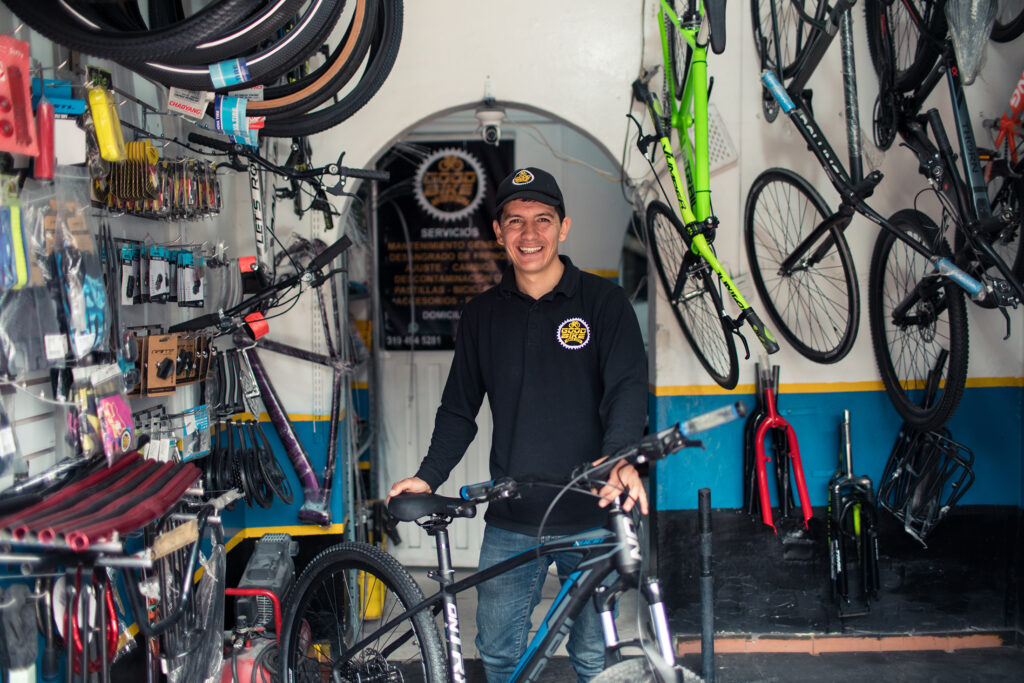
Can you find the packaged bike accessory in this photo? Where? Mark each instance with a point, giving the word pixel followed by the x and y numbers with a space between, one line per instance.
pixel 8 443
pixel 83 293
pixel 191 280
pixel 159 275
pixel 107 124
pixel 161 352
pixel 15 259
pixel 42 168
pixel 113 412
pixel 197 433
pixel 17 128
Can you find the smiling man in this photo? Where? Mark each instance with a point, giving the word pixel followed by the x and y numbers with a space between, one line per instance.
pixel 559 355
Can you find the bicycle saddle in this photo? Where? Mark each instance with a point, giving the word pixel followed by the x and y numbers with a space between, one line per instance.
pixel 716 18
pixel 409 507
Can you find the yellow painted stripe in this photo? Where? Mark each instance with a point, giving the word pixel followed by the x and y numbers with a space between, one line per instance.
pixel 361 385
pixel 294 417
pixel 816 387
pixel 294 530
pixel 818 644
pixel 603 273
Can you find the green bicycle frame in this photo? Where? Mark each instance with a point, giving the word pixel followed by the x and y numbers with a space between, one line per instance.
pixel 691 112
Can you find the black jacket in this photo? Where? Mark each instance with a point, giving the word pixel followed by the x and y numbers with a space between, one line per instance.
pixel 566 378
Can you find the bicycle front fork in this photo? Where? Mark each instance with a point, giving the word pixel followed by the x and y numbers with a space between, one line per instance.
pixel 605 598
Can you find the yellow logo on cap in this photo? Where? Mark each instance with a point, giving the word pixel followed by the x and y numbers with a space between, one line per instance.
pixel 573 333
pixel 522 178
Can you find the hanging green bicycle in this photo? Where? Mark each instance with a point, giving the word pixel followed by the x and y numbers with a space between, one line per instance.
pixel 682 249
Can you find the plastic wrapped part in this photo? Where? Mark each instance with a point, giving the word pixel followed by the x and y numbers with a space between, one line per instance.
pixel 9 452
pixel 85 306
pixel 970 23
pixel 204 662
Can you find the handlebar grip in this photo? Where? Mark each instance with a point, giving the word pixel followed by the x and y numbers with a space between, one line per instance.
pixel 365 173
pixel 474 491
pixel 330 253
pixel 214 143
pixel 203 321
pixel 763 334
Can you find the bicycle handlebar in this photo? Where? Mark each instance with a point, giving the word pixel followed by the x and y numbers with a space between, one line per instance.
pixel 236 149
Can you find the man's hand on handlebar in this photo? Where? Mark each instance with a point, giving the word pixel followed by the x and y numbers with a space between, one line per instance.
pixel 623 480
pixel 408 485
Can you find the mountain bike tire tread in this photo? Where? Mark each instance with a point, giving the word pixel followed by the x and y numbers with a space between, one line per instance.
pixel 639 670
pixel 926 50
pixel 362 557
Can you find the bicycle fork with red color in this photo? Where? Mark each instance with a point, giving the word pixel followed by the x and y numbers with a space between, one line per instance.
pixel 772 420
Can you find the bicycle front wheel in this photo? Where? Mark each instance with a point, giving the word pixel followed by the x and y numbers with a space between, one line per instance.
pixel 895 33
pixel 793 34
pixel 345 594
pixel 639 670
pixel 698 303
pixel 1009 20
pixel 815 306
pixel 918 326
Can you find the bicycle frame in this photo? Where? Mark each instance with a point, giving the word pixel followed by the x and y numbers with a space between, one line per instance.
pixel 614 547
pixel 853 188
pixel 694 200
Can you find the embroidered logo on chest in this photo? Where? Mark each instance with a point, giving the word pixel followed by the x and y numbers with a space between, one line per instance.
pixel 573 333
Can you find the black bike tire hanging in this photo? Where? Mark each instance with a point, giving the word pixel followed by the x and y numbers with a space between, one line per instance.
pixel 379 67
pixel 923 417
pixel 56 22
pixel 271 62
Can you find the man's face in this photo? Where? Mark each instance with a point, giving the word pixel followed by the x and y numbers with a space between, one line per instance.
pixel 530 232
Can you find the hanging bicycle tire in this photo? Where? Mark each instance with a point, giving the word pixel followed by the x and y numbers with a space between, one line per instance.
pixel 66 24
pixel 270 62
pixel 1009 20
pixel 894 33
pixel 345 593
pixel 816 306
pixel 918 326
pixel 698 307
pixel 304 93
pixel 380 61
pixel 679 55
pixel 1006 193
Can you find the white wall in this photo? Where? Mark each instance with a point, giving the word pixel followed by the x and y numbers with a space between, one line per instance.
pixel 576 60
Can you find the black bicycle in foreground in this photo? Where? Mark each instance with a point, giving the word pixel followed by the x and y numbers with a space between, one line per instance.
pixel 356 614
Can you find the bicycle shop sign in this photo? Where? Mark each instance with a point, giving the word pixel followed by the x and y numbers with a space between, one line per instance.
pixel 437 246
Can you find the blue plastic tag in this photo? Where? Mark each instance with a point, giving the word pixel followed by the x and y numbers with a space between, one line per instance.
pixel 228 73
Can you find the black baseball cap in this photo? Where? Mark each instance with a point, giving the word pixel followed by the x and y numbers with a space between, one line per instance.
pixel 529 183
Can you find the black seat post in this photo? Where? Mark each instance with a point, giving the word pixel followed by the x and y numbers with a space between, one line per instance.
pixel 445 575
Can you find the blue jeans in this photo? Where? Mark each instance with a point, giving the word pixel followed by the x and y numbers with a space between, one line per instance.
pixel 505 603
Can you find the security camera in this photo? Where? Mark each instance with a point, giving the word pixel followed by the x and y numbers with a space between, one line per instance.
pixel 490 123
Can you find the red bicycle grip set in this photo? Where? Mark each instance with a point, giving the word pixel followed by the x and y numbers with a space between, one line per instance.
pixel 109 502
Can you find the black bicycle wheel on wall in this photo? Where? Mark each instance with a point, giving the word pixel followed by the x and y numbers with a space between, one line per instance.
pixel 918 326
pixel 1009 20
pixel 698 306
pixel 814 305
pixel 895 33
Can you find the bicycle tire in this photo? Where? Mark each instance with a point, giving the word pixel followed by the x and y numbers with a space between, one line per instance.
pixel 698 308
pixel 1009 21
pixel 58 22
pixel 380 62
pixel 342 583
pixel 639 670
pixel 265 66
pixel 906 354
pixel 304 94
pixel 816 309
pixel 913 53
pixel 679 52
pixel 793 35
